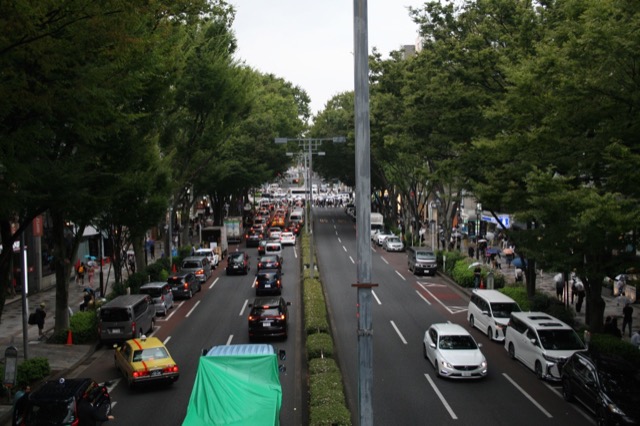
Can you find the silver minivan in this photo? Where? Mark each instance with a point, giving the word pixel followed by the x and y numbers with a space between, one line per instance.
pixel 126 317
pixel 198 265
pixel 160 292
pixel 421 260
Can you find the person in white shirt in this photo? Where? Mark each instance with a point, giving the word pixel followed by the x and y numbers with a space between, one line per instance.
pixel 635 339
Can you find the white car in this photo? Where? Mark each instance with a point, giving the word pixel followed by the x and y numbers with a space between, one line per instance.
pixel 213 257
pixel 453 352
pixel 288 238
pixel 393 244
pixel 381 236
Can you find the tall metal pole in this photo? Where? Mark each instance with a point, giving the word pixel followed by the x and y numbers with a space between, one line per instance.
pixel 363 213
pixel 312 274
pixel 25 301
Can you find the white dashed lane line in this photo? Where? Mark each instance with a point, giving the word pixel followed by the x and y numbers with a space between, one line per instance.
pixel 444 401
pixel 246 303
pixel 384 260
pixel 352 261
pixel 529 397
pixel 393 324
pixel 214 283
pixel 192 309
pixel 400 275
pixel 376 297
pixel 423 298
pixel 344 248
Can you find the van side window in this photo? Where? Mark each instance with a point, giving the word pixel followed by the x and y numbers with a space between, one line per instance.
pixel 139 308
pixel 517 325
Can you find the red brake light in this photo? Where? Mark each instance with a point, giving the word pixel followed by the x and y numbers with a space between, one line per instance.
pixel 186 285
pixel 282 317
pixel 140 373
pixel 171 369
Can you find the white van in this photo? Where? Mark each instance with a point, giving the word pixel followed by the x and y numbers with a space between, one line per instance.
pixel 489 311
pixel 273 248
pixel 541 342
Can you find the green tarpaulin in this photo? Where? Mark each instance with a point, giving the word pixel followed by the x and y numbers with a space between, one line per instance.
pixel 235 390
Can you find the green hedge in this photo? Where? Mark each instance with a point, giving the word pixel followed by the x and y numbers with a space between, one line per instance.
pixel 541 302
pixel 319 345
pixel 83 326
pixel 463 274
pixel 315 310
pixel 611 345
pixel 31 371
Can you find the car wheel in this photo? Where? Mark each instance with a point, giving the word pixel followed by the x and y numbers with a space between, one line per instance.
pixel 567 393
pixel 190 294
pixel 512 351
pixel 538 370
pixel 153 324
pixel 472 321
pixel 490 334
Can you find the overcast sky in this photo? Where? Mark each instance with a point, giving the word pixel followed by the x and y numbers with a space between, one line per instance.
pixel 310 42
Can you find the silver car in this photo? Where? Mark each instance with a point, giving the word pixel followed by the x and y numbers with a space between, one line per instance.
pixel 393 244
pixel 199 265
pixel 161 294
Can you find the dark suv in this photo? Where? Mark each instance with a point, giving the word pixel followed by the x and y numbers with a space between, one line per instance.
pixel 56 402
pixel 268 281
pixel 607 386
pixel 184 284
pixel 238 263
pixel 268 317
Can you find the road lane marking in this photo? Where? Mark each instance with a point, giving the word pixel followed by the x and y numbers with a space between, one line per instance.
pixel 246 302
pixel 575 406
pixel 214 283
pixel 384 260
pixel 374 249
pixel 229 339
pixel 444 401
pixel 393 324
pixel 254 282
pixel 352 261
pixel 400 275
pixel 174 308
pixel 376 296
pixel 423 298
pixel 452 309
pixel 166 340
pixel 344 248
pixel 340 240
pixel 529 397
pixel 295 252
pixel 192 309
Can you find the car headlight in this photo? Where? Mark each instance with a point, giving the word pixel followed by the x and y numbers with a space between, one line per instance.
pixel 552 358
pixel 483 364
pixel 614 409
pixel 446 364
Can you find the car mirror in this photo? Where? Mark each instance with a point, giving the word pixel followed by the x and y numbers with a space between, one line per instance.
pixel 288 303
pixel 204 351
pixel 479 345
pixel 485 313
pixel 282 354
pixel 533 341
pixel 433 345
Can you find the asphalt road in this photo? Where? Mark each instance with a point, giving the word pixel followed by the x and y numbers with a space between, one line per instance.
pixel 215 316
pixel 406 390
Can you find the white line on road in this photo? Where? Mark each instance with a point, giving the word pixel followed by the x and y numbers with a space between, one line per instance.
pixel 374 249
pixel 400 275
pixel 344 248
pixel 253 283
pixel 214 283
pixel 166 340
pixel 529 397
pixel 352 261
pixel 384 260
pixel 173 311
pixel 393 324
pixel 339 240
pixel 229 339
pixel 444 401
pixel 295 252
pixel 423 298
pixel 376 296
pixel 246 302
pixel 192 309
pixel 452 310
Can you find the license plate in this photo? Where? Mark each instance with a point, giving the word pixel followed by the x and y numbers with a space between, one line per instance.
pixel 267 286
pixel 114 330
pixel 466 374
pixel 266 324
pixel 235 266
pixel 156 373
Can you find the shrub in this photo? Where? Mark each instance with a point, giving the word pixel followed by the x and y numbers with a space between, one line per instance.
pixel 83 326
pixel 157 272
pixel 519 294
pixel 327 403
pixel 452 258
pixel 32 370
pixel 331 414
pixel 319 345
pixel 135 281
pixel 558 310
pixel 315 311
pixel 541 302
pixel 611 345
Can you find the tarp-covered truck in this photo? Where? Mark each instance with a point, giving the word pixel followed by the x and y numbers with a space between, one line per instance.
pixel 215 236
pixel 234 229
pixel 236 385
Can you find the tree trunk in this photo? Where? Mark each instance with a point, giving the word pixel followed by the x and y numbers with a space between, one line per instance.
pixel 64 249
pixel 594 309
pixel 530 273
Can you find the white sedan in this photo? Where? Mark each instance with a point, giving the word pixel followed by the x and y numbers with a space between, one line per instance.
pixel 393 244
pixel 453 352
pixel 381 236
pixel 288 239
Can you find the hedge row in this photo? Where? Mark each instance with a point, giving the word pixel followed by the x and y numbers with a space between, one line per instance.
pixel 327 404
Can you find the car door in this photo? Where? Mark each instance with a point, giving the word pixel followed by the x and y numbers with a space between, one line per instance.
pixel 482 319
pixel 587 388
pixel 432 344
pixel 123 359
pixel 528 349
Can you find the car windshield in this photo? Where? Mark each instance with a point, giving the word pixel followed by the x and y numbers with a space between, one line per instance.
pixel 191 265
pixel 425 255
pixel 619 378
pixel 153 292
pixel 560 340
pixel 269 259
pixel 150 354
pixel 114 315
pixel 50 413
pixel 393 240
pixel 457 342
pixel 503 310
pixel 175 280
pixel 266 312
pixel 236 259
pixel 266 277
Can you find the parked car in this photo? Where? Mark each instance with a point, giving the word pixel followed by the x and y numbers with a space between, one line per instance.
pixel 238 263
pixel 421 260
pixel 125 317
pixel 381 236
pixel 268 281
pixel 199 265
pixel 213 257
pixel 161 294
pixel 274 248
pixel 184 284
pixel 453 352
pixel 145 360
pixel 56 402
pixel 393 243
pixel 541 342
pixel 489 311
pixel 269 261
pixel 607 386
pixel 268 317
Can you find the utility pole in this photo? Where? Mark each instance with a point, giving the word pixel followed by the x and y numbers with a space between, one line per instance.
pixel 363 214
pixel 309 146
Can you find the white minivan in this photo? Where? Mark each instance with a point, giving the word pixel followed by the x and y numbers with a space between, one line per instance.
pixel 541 342
pixel 489 311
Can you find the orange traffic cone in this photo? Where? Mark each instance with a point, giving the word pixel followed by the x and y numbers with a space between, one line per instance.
pixel 69 338
pixel 482 284
pixel 173 268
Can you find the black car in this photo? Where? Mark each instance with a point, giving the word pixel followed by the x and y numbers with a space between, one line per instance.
pixel 269 261
pixel 268 318
pixel 268 281
pixel 607 386
pixel 262 247
pixel 238 263
pixel 184 284
pixel 55 402
pixel 252 238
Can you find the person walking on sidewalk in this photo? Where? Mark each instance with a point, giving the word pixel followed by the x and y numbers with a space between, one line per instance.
pixel 559 285
pixel 627 317
pixel 635 339
pixel 581 293
pixel 40 315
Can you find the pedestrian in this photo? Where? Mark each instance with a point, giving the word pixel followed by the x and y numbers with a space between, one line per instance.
pixel 471 251
pixel 635 339
pixel 91 272
pixel 574 290
pixel 611 327
pixel 87 299
pixel 581 293
pixel 518 274
pixel 620 286
pixel 627 317
pixel 477 277
pixel 80 271
pixel 20 401
pixel 88 415
pixel 559 285
pixel 40 315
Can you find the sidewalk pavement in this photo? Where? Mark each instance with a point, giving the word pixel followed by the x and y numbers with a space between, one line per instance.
pixel 62 358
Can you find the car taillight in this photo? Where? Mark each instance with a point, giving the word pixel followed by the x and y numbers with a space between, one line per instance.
pixel 277 264
pixel 140 373
pixel 186 285
pixel 281 317
pixel 162 297
pixel 200 272
pixel 259 265
pixel 252 317
pixel 133 328
pixel 278 283
pixel 170 369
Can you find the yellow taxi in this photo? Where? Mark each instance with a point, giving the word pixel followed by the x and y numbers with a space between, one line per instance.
pixel 145 360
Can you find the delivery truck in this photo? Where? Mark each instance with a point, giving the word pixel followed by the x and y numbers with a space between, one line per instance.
pixel 233 226
pixel 215 237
